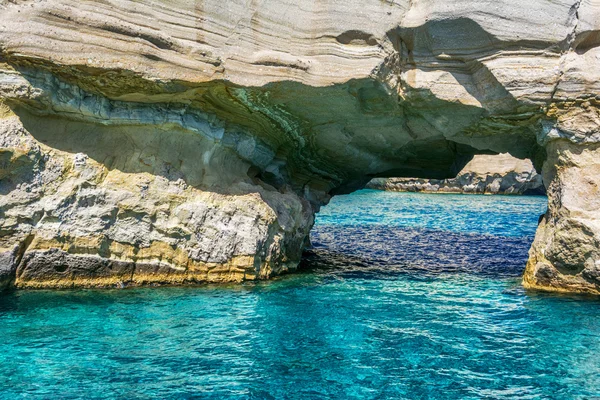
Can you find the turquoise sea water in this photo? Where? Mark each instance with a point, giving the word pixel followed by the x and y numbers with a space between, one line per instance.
pixel 403 296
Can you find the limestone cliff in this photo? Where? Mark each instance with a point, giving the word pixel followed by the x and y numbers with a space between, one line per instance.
pixel 484 174
pixel 181 141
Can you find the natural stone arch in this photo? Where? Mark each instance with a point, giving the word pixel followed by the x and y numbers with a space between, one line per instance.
pixel 132 153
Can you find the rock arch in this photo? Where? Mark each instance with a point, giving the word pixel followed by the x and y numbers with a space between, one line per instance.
pixel 162 142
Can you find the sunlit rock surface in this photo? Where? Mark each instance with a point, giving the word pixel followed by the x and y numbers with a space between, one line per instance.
pixel 565 255
pixel 484 174
pixel 186 141
pixel 127 211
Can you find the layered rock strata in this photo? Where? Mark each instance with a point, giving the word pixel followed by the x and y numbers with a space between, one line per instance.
pixel 170 142
pixel 484 174
pixel 104 205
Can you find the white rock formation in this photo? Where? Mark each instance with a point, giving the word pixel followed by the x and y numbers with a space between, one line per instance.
pixel 484 174
pixel 172 141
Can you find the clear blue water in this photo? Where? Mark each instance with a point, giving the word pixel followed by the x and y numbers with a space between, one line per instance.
pixel 403 296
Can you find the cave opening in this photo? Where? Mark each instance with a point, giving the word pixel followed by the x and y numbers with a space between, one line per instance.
pixel 391 233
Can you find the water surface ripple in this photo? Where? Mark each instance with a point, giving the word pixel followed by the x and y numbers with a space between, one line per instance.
pixel 403 296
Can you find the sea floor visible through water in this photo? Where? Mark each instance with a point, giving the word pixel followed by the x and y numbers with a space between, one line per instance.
pixel 403 296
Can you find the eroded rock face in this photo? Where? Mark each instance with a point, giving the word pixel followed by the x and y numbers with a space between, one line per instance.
pixel 120 211
pixel 565 255
pixel 154 141
pixel 484 174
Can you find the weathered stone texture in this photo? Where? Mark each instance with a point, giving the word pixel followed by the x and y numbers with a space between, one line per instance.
pixel 565 255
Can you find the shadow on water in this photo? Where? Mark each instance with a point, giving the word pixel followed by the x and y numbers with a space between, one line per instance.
pixel 384 251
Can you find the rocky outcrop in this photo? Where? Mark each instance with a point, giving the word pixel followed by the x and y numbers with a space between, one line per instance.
pixel 484 174
pixel 170 142
pixel 112 205
pixel 565 255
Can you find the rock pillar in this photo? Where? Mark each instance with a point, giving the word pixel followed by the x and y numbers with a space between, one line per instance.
pixel 565 256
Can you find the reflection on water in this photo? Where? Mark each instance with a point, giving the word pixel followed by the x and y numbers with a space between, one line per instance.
pixel 389 304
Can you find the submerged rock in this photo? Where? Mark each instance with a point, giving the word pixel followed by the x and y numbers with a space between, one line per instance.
pixel 484 174
pixel 145 142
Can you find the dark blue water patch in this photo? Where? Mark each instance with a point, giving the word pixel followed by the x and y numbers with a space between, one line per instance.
pixel 391 250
